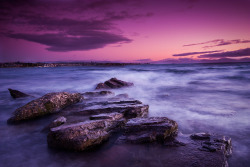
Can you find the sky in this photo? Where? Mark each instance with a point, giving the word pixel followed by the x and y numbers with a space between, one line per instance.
pixel 182 31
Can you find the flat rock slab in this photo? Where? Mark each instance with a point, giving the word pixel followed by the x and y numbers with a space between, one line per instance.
pixel 17 94
pixel 47 104
pixel 147 130
pixel 96 107
pixel 112 116
pixel 129 108
pixel 113 83
pixel 114 121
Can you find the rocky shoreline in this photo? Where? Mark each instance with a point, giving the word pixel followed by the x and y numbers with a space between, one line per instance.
pixel 87 120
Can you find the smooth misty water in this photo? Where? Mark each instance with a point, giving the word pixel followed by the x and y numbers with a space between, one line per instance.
pixel 212 98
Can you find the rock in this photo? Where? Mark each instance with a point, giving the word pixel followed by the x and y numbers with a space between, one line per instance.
pixel 173 154
pixel 79 136
pixel 85 135
pixel 215 143
pixel 129 108
pixel 173 142
pixel 200 136
pixel 226 144
pixel 214 148
pixel 114 121
pixel 146 130
pixel 122 96
pixel 96 94
pixel 47 104
pixel 17 94
pixel 113 83
pixel 57 122
pixel 112 116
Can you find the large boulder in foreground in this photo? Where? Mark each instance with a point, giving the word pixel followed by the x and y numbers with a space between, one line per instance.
pixel 113 83
pixel 17 94
pixel 79 136
pixel 146 130
pixel 47 104
pixel 84 135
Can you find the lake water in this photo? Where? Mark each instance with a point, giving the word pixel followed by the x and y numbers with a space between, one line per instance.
pixel 212 98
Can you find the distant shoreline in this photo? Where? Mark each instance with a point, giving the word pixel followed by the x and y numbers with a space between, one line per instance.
pixel 21 64
pixel 97 64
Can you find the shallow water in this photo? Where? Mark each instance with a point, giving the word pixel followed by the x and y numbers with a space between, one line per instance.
pixel 212 98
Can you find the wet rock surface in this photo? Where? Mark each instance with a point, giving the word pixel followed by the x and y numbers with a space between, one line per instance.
pixel 130 109
pixel 57 122
pixel 103 116
pixel 114 121
pixel 79 136
pixel 146 130
pixel 200 136
pixel 91 122
pixel 17 94
pixel 47 104
pixel 113 83
pixel 213 143
pixel 182 151
pixel 112 116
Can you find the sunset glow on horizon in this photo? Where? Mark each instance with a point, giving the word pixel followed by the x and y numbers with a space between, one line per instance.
pixel 126 31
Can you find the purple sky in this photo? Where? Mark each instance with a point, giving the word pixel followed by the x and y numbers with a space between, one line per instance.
pixel 124 30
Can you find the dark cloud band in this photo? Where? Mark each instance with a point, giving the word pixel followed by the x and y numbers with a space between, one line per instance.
pixel 195 53
pixel 236 53
pixel 65 26
pixel 63 42
pixel 219 42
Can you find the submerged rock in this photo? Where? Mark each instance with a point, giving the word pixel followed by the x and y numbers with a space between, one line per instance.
pixel 213 143
pixel 17 94
pixel 181 151
pixel 113 83
pixel 146 130
pixel 122 96
pixel 97 94
pixel 47 104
